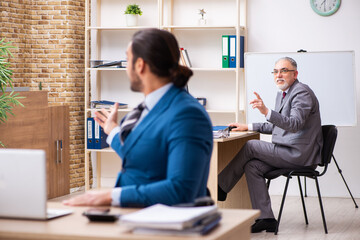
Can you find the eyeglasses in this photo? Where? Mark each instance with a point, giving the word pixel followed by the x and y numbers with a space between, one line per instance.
pixel 282 71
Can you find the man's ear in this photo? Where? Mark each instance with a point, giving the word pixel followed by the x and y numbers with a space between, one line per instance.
pixel 139 65
pixel 296 74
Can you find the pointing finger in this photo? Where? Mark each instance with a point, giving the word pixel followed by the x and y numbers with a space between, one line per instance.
pixel 257 95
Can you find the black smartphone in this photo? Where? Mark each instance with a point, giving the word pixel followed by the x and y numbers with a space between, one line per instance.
pixel 100 215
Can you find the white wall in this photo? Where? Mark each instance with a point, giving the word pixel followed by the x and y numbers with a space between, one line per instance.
pixel 287 26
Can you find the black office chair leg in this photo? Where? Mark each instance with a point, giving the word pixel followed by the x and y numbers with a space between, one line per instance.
pixel 321 205
pixel 303 202
pixel 340 171
pixel 305 186
pixel 282 204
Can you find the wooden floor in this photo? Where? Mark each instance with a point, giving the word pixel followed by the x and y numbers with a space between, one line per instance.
pixel 342 218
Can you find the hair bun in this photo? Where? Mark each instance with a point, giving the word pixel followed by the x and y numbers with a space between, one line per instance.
pixel 180 75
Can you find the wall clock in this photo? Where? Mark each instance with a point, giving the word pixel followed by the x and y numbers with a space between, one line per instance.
pixel 325 7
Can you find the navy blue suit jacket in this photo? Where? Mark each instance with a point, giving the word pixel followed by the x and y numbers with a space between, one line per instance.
pixel 166 158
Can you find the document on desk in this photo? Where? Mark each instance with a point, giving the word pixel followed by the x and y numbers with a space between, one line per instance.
pixel 160 216
pixel 221 131
pixel 203 227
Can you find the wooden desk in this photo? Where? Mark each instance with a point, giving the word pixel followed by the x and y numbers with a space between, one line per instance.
pixel 224 151
pixel 234 225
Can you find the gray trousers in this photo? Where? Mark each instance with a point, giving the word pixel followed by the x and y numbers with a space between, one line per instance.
pixel 255 159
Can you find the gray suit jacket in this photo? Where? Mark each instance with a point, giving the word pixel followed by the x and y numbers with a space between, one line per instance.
pixel 295 126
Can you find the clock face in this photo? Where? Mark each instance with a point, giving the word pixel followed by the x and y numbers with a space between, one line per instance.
pixel 325 7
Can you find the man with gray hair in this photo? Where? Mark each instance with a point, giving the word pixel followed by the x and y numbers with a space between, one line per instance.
pixel 295 126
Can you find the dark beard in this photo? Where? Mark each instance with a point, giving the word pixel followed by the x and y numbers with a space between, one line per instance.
pixel 136 84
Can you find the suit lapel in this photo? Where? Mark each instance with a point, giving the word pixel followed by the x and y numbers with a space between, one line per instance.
pixel 152 116
pixel 278 101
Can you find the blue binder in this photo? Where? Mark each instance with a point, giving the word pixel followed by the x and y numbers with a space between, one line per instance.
pixel 90 133
pixel 232 51
pixel 99 137
pixel 242 50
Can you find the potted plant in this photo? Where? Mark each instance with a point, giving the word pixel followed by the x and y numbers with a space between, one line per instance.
pixel 132 12
pixel 7 99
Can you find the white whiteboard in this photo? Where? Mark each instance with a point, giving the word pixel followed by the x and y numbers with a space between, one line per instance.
pixel 330 75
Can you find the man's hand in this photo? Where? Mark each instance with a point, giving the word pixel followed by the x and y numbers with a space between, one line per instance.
pixel 238 127
pixel 91 198
pixel 107 120
pixel 259 104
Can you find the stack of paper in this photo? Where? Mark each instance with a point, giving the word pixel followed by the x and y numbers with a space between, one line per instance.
pixel 221 131
pixel 165 220
pixel 106 104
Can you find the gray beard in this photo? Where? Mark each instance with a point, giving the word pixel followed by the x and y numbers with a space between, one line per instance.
pixel 283 87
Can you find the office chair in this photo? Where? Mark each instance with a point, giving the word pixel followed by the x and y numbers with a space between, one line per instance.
pixel 329 138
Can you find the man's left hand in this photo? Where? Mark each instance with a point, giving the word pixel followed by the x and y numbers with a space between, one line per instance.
pixel 107 120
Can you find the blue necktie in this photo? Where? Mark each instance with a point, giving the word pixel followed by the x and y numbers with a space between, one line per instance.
pixel 130 120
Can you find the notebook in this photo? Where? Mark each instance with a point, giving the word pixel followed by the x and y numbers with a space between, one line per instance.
pixel 23 192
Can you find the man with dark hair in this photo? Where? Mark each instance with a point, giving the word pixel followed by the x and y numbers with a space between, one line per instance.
pixel 166 142
pixel 295 126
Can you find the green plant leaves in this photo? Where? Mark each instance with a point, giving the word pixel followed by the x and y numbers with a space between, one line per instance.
pixel 7 100
pixel 133 9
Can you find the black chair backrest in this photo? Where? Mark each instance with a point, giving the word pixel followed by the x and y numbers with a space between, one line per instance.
pixel 329 138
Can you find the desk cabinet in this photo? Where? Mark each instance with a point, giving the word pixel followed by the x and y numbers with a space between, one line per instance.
pixel 38 126
pixel 58 154
pixel 224 151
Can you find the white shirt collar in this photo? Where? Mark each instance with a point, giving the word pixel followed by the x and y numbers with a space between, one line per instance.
pixel 153 98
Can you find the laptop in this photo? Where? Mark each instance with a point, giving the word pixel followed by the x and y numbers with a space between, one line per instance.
pixel 23 192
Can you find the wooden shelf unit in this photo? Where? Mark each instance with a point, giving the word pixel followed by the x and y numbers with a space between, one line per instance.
pixel 100 34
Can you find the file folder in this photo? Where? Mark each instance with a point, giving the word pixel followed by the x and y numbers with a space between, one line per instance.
pixel 90 135
pixel 225 51
pixel 232 51
pixel 242 50
pixel 99 137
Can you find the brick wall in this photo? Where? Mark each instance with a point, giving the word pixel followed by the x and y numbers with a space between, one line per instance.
pixel 49 36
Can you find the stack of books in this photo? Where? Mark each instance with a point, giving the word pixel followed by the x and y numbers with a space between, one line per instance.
pixel 106 104
pixel 105 63
pixel 221 131
pixel 160 219
pixel 184 58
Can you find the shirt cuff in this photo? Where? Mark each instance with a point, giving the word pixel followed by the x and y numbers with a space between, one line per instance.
pixel 112 135
pixel 268 115
pixel 115 197
pixel 250 127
